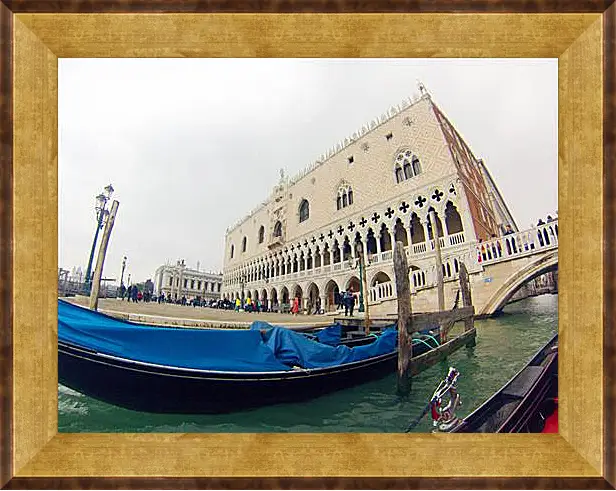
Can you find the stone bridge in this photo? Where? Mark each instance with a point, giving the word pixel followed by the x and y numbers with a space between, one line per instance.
pixel 498 269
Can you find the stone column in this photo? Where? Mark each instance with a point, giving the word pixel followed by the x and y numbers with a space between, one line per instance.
pixel 181 285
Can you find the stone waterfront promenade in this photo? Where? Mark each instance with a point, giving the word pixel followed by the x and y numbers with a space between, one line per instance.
pixel 180 315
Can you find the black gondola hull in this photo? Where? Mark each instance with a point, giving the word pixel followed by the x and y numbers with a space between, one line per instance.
pixel 518 406
pixel 161 389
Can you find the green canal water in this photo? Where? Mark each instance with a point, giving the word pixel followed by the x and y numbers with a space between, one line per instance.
pixel 504 345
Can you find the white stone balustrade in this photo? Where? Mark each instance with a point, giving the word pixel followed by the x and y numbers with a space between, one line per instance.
pixel 381 292
pixel 526 242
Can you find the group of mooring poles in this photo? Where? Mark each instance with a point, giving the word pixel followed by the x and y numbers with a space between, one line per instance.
pixel 409 323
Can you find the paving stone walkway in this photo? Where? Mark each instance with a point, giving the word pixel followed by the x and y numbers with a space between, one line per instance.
pixel 171 314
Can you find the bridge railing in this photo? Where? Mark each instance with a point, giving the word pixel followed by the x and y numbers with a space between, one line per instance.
pixel 526 242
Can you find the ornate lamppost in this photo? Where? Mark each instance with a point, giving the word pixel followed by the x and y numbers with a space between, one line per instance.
pixel 122 275
pixel 101 213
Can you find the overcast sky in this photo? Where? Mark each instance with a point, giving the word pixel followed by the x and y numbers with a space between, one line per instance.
pixel 192 145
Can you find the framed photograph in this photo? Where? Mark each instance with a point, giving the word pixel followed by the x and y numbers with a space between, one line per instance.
pixel 581 37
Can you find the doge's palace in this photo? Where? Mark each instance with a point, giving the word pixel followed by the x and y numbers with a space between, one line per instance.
pixel 376 187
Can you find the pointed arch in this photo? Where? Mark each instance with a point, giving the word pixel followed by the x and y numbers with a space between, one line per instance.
pixel 400 233
pixel 453 220
pixel 346 249
pixel 418 234
pixel 385 238
pixel 370 242
pixel 336 252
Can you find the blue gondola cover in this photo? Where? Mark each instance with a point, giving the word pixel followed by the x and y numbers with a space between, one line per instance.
pixel 246 350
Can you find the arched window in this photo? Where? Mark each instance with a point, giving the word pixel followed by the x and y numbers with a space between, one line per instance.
pixel 385 239
pixel 408 173
pixel 416 166
pixel 261 234
pixel 417 231
pixel 400 233
pixel 244 244
pixel 453 221
pixel 304 210
pixel 232 250
pixel 345 196
pixel 406 166
pixel 278 229
pixel 399 175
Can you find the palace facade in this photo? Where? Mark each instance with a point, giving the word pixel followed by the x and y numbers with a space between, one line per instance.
pixel 374 188
pixel 178 280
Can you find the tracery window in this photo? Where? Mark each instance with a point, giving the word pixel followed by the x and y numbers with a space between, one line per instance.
pixel 344 197
pixel 407 166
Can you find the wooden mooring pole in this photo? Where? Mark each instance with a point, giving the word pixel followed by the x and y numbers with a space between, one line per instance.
pixel 366 294
pixel 467 301
pixel 405 347
pixel 98 271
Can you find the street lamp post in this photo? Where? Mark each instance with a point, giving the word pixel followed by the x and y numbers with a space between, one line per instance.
pixel 101 212
pixel 122 275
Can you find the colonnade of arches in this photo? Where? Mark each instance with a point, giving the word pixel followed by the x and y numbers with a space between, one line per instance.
pixel 313 297
pixel 377 236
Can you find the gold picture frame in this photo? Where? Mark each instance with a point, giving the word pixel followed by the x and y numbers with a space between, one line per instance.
pixel 581 455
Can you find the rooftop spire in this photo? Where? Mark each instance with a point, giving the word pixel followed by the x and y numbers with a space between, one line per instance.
pixel 423 92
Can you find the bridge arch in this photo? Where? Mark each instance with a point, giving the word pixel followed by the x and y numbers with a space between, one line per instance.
pixel 541 265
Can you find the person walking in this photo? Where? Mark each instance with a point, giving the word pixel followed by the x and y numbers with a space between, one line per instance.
pixel 345 302
pixel 238 303
pixel 134 294
pixel 295 308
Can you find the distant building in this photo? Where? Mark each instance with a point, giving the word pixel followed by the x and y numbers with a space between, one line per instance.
pixel 178 280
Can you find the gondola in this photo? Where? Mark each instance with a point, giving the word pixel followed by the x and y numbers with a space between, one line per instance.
pixel 188 370
pixel 528 403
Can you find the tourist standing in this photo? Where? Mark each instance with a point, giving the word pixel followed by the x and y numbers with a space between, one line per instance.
pixel 351 302
pixel 238 304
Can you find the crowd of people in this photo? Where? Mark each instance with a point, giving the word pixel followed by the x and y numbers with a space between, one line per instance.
pixel 344 300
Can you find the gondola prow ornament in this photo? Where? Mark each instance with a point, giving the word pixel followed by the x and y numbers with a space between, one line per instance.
pixel 444 416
